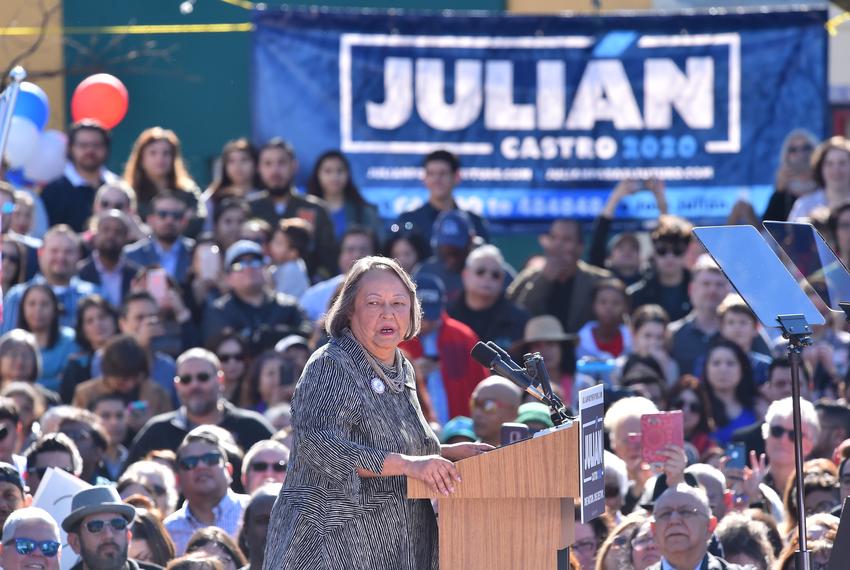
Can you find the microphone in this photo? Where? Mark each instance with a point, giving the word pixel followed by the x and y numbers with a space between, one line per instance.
pixel 505 356
pixel 491 359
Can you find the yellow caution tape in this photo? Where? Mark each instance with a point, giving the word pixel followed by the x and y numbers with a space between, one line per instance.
pixel 240 3
pixel 130 30
pixel 833 23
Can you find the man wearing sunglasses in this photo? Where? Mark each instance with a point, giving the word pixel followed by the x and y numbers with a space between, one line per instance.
pixel 30 540
pixel 666 282
pixel 264 463
pixel 204 477
pixel 98 530
pixel 167 246
pixel 494 401
pixel 200 387
pixel 252 309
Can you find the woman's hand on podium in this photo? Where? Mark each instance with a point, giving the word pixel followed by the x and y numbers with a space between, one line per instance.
pixel 458 451
pixel 438 473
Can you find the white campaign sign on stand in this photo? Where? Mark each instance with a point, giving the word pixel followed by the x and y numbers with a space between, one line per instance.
pixel 54 495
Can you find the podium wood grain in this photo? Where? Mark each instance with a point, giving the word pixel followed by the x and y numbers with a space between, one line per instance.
pixel 513 508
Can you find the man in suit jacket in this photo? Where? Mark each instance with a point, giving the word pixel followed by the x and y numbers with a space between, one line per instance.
pixel 107 267
pixel 167 246
pixel 683 525
pixel 564 284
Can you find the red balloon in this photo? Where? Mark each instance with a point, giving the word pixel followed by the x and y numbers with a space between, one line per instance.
pixel 101 98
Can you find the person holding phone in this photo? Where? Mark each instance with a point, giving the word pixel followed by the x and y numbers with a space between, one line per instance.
pixel 622 254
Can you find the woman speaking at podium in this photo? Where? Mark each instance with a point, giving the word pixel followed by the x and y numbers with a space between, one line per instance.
pixel 359 431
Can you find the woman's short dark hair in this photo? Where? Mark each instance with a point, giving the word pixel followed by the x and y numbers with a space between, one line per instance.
pixel 53 330
pixel 217 536
pixel 84 305
pixel 123 357
pixel 148 527
pixel 339 315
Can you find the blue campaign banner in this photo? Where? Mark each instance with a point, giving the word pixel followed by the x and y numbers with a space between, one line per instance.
pixel 546 113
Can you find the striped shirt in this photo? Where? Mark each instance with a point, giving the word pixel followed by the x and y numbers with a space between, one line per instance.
pixel 182 524
pixel 327 517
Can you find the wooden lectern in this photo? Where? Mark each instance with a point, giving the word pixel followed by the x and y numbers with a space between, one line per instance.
pixel 513 507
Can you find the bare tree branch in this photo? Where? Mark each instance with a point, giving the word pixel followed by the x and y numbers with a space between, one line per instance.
pixel 46 14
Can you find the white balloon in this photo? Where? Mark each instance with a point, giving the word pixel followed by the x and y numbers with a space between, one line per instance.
pixel 48 161
pixel 22 141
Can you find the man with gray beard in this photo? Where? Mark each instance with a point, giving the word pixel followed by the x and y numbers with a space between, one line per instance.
pixel 200 384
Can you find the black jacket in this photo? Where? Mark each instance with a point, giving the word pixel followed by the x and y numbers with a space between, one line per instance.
pixel 503 323
pixel 166 431
pixel 68 204
pixel 648 291
pixel 278 316
pixel 130 565
pixel 87 271
pixel 322 260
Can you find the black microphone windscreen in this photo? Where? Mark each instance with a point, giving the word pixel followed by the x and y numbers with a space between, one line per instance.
pixel 483 354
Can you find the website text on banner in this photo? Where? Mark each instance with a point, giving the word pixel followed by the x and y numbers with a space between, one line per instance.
pixel 546 113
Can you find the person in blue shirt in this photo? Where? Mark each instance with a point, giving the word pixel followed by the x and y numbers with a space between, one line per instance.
pixel 57 262
pixel 39 314
pixel 331 181
pixel 728 378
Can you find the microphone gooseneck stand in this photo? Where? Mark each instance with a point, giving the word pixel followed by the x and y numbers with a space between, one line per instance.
pixel 799 335
pixel 535 370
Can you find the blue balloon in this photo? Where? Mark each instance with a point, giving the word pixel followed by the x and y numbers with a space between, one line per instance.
pixel 17 179
pixel 32 103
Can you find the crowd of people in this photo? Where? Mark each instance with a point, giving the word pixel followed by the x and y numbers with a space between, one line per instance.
pixel 154 335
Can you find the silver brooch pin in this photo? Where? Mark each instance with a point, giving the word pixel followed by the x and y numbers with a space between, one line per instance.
pixel 377 386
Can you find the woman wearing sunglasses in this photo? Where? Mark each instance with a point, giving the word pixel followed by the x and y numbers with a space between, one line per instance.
pixel 359 430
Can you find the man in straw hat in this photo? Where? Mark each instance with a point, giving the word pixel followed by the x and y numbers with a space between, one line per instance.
pixel 544 334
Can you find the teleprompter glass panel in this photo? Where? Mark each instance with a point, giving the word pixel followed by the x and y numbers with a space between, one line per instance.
pixel 814 259
pixel 757 274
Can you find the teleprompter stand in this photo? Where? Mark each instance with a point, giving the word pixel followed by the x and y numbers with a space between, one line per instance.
pixel 825 273
pixel 799 335
pixel 775 298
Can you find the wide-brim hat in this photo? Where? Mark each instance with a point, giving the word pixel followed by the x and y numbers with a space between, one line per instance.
pixel 543 328
pixel 94 500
